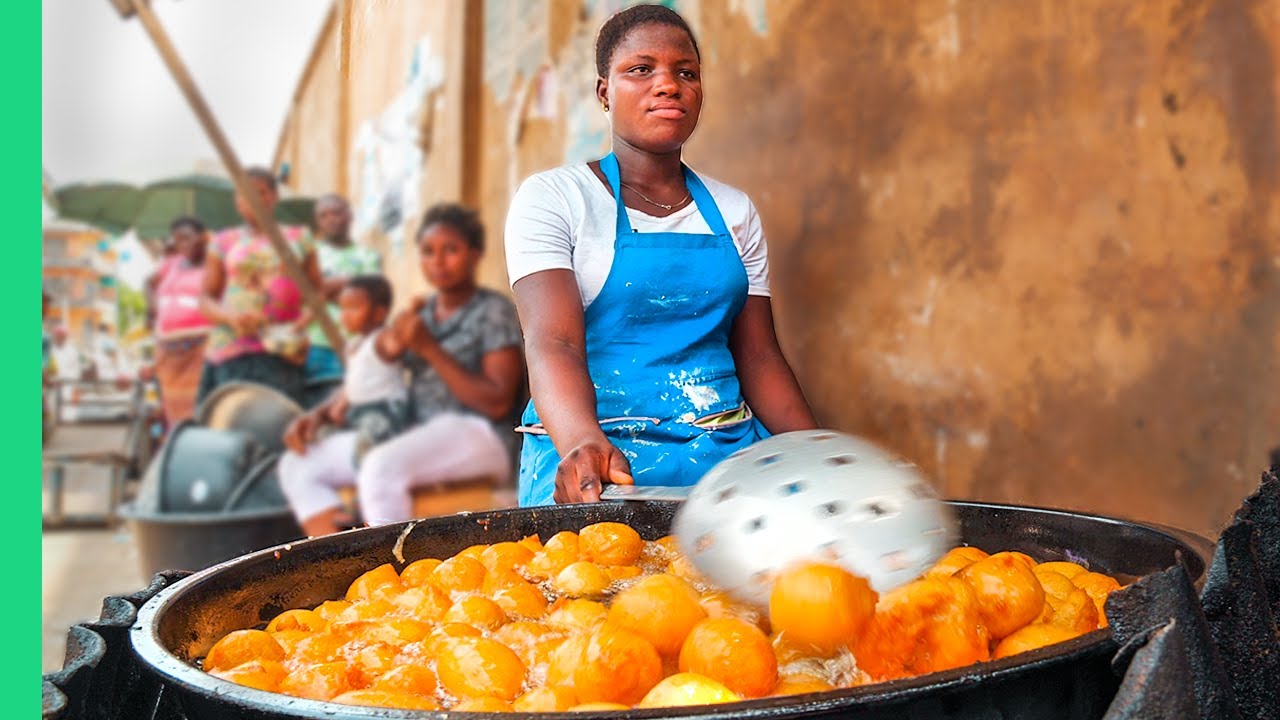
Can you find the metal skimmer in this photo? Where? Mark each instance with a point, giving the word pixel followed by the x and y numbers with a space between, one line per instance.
pixel 813 495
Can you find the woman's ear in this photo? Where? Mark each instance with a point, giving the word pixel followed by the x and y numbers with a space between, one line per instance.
pixel 602 93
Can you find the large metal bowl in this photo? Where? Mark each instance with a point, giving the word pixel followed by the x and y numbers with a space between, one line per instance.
pixel 1069 680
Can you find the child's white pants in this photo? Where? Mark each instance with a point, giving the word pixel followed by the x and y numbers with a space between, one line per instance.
pixel 447 448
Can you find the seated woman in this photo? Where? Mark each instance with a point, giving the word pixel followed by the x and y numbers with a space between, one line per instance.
pixel 463 351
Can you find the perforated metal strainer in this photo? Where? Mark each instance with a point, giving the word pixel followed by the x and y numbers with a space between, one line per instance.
pixel 812 495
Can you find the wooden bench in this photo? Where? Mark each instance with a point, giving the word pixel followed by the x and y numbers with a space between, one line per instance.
pixel 470 495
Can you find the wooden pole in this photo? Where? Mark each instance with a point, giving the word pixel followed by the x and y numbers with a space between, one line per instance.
pixel 292 266
pixel 344 96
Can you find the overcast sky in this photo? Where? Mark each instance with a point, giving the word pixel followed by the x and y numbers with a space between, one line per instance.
pixel 111 111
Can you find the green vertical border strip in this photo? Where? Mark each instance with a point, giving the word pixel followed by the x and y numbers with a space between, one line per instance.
pixel 19 363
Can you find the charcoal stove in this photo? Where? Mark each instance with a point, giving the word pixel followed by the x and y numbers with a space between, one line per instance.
pixel 1082 678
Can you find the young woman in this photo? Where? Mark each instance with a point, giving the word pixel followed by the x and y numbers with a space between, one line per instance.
pixel 181 329
pixel 463 351
pixel 256 311
pixel 643 291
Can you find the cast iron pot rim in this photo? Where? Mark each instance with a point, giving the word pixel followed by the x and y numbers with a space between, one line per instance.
pixel 171 668
pixel 130 512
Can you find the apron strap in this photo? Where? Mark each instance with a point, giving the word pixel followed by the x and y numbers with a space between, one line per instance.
pixel 697 191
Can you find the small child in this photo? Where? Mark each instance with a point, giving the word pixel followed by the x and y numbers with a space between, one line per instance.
pixel 376 397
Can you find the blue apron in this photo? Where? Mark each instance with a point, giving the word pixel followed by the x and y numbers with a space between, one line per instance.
pixel 657 345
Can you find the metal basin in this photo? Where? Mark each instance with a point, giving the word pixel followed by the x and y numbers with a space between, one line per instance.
pixel 1069 680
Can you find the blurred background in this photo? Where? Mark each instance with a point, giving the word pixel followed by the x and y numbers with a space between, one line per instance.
pixel 1033 246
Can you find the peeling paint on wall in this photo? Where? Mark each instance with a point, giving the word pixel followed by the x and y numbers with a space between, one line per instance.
pixel 389 153
pixel 511 50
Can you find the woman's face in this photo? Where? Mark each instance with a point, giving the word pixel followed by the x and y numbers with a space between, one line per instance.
pixel 268 197
pixel 447 261
pixel 654 88
pixel 188 243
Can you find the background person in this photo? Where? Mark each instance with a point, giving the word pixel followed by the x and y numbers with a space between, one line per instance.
pixel 180 327
pixel 340 259
pixel 258 324
pixel 463 352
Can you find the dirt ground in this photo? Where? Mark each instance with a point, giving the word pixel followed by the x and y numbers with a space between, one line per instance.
pixel 80 567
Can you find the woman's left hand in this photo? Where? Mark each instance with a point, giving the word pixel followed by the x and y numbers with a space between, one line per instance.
pixel 408 327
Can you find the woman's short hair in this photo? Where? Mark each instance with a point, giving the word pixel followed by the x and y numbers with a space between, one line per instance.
pixel 186 221
pixel 615 30
pixel 464 220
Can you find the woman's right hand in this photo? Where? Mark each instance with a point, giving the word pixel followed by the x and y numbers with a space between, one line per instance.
pixel 302 431
pixel 248 323
pixel 583 471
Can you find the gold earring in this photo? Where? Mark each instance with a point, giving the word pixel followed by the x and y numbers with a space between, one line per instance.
pixel 604 107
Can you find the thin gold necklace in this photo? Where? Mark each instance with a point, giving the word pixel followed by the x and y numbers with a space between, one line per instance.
pixel 644 197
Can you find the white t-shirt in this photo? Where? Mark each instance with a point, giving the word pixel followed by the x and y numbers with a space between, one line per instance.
pixel 368 377
pixel 566 219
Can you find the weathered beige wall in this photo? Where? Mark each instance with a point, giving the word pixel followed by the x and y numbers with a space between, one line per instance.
pixel 1033 245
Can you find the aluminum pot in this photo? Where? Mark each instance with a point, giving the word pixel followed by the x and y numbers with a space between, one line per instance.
pixel 1069 680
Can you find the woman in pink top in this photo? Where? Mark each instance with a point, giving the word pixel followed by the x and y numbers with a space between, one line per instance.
pixel 259 327
pixel 181 329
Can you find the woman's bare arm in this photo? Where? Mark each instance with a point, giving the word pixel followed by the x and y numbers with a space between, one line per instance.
pixel 768 384
pixel 551 314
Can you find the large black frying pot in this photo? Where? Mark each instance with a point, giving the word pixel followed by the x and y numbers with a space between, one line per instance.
pixel 1069 680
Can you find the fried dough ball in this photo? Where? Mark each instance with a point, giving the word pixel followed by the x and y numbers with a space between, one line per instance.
pixel 1009 595
pixel 532 642
pixel 819 605
pixel 425 602
pixel 367 661
pixel 317 682
pixel 331 609
pixel 521 599
pixel 687 689
pixel 545 699
pixel 458 574
pixel 483 705
pixel 576 614
pixel 477 611
pixel 1032 637
pixel 622 572
pixel 474 552
pixel 474 667
pixel 410 678
pixel 259 674
pixel 565 541
pixel 363 587
pixel 533 543
pixel 1066 605
pixel 582 579
pixel 660 608
pixel 1097 586
pixel 610 543
pixel 418 573
pixel 241 646
pixel 397 632
pixel 925 626
pixel 606 664
pixel 1065 569
pixel 800 684
pixel 435 642
pixel 315 650
pixel 308 620
pixel 956 559
pixel 733 652
pixel 599 707
pixel 505 556
pixel 387 699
